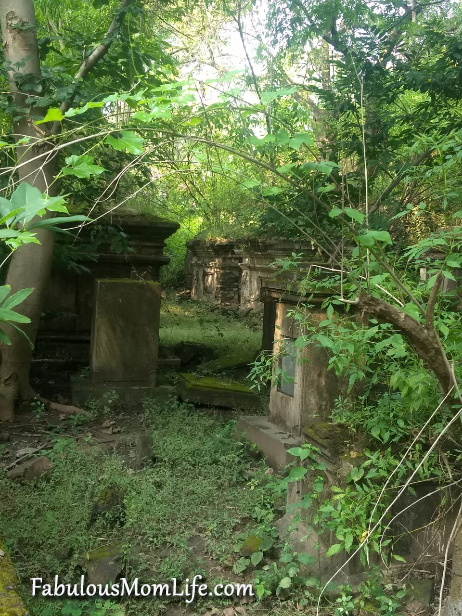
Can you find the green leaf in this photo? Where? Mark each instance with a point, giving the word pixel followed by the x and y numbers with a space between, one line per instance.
pixel 81 166
pixel 53 115
pixel 399 558
pixel 260 588
pixel 57 220
pixel 272 190
pixel 305 559
pixel 299 452
pixel 16 298
pixel 296 474
pixel 300 139
pixel 250 183
pixel 348 541
pixel 4 338
pixel 335 211
pixel 256 558
pixel 13 317
pixel 370 237
pixel 334 549
pixel 4 290
pixel 271 95
pixel 126 141
pixel 286 582
pixel 356 473
pixel 355 214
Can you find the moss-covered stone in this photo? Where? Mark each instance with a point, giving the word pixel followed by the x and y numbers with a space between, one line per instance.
pixel 251 545
pixel 328 436
pixel 11 603
pixel 104 564
pixel 215 392
pixel 231 361
pixel 110 506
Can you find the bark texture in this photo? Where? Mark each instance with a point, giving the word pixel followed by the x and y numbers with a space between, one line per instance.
pixel 30 265
pixel 423 338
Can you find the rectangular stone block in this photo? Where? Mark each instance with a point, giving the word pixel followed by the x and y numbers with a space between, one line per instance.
pixel 125 331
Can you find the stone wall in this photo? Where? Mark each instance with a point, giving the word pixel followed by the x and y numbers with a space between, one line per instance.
pixel 230 273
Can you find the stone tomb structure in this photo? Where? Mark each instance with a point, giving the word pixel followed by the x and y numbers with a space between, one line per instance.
pixel 300 412
pixel 124 343
pixel 64 333
pixel 231 273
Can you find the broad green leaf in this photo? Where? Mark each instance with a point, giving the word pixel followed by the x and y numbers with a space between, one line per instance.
pixel 370 237
pixel 260 588
pixel 81 166
pixel 126 141
pixel 348 541
pixel 5 207
pixel 335 211
pixel 334 549
pixel 286 582
pixel 271 95
pixel 356 473
pixel 305 559
pixel 300 139
pixel 256 558
pixel 16 298
pixel 26 195
pixel 251 183
pixel 296 474
pixel 272 190
pixel 163 112
pixel 53 115
pixel 324 167
pixel 299 452
pixel 355 214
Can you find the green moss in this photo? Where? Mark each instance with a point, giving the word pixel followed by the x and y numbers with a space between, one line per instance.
pixel 209 382
pixel 233 360
pixel 329 435
pixel 11 603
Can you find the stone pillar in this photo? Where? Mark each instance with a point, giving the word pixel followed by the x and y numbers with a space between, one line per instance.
pixel 125 333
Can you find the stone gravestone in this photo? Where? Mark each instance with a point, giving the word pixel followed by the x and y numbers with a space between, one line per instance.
pixel 124 343
pixel 125 333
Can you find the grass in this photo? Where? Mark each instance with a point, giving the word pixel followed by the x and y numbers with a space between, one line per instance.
pixel 202 485
pixel 226 333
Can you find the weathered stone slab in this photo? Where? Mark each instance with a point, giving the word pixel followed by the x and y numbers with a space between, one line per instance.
pixel 271 440
pixel 104 564
pixel 215 392
pixel 31 469
pixel 125 336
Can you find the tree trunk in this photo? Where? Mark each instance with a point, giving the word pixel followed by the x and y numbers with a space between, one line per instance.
pixel 30 265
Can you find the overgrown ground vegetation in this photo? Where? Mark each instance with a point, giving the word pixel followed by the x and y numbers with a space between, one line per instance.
pixel 227 333
pixel 175 524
